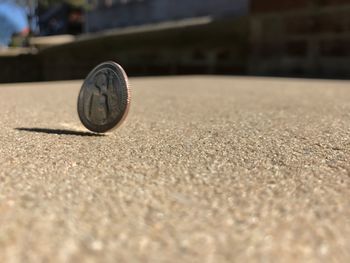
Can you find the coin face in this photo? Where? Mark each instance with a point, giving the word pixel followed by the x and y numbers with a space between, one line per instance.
pixel 104 98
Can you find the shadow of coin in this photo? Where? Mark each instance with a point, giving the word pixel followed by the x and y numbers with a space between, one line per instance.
pixel 60 132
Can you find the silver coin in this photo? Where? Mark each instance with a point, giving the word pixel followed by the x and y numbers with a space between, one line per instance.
pixel 104 98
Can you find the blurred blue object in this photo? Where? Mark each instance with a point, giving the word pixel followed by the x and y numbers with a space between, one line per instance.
pixel 13 20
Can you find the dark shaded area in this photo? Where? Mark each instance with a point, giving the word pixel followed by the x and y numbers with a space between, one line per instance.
pixel 60 132
pixel 20 68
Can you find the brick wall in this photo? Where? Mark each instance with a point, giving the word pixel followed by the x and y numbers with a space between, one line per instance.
pixel 300 37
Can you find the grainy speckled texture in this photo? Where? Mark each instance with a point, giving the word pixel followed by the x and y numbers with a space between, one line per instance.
pixel 205 169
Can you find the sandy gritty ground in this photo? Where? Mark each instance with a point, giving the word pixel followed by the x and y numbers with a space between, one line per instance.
pixel 205 169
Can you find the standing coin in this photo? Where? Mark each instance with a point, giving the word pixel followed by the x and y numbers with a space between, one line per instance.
pixel 104 98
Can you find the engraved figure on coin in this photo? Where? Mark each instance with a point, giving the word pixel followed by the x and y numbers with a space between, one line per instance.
pixel 112 96
pixel 102 98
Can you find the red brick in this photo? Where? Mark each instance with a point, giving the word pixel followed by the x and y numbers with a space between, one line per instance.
pixel 318 24
pixel 331 23
pixel 335 48
pixel 297 48
pixel 268 49
pixel 263 6
pixel 332 2
pixel 303 24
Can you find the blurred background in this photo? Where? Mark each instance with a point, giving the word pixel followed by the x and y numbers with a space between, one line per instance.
pixel 44 40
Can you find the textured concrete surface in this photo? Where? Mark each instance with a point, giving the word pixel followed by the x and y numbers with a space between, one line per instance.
pixel 205 169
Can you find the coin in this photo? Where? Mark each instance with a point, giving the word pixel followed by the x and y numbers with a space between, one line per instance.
pixel 104 98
